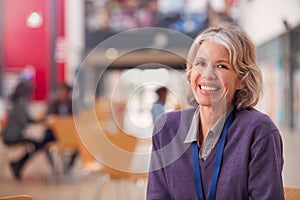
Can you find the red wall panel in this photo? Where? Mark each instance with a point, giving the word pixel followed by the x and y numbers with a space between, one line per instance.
pixel 61 33
pixel 23 45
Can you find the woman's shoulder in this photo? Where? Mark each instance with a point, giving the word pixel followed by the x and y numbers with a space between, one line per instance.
pixel 173 124
pixel 181 113
pixel 175 119
pixel 252 114
pixel 254 119
pixel 177 115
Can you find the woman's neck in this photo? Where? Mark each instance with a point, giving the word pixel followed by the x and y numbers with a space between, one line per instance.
pixel 208 117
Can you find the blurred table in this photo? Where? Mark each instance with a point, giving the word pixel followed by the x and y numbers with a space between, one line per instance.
pixel 292 193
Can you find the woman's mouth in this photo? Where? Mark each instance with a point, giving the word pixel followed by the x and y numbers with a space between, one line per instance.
pixel 208 88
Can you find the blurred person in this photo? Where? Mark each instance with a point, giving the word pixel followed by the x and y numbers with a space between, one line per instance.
pixel 170 7
pixel 158 106
pixel 18 120
pixel 124 18
pixel 147 15
pixel 61 105
pixel 223 148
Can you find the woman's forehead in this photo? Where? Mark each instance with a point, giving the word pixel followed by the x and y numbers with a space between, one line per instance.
pixel 210 50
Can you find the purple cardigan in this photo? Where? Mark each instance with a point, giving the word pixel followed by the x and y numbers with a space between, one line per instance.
pixel 251 167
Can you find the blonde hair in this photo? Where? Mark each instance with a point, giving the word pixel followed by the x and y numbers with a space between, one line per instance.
pixel 242 54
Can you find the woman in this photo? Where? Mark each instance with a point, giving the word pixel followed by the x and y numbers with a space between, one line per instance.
pixel 223 148
pixel 19 118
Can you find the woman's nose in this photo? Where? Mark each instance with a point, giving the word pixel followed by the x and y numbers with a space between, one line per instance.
pixel 209 71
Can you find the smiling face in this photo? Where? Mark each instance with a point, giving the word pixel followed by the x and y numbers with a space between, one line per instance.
pixel 213 79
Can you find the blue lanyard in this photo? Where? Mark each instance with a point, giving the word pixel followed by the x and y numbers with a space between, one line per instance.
pixel 217 164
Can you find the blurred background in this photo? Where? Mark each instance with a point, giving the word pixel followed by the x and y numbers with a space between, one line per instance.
pixel 48 42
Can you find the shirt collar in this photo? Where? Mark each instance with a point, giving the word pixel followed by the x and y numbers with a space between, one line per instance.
pixel 216 129
pixel 192 132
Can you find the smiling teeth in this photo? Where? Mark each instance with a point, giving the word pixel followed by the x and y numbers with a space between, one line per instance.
pixel 208 88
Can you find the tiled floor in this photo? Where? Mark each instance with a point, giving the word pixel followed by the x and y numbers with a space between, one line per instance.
pixel 87 188
pixel 78 186
pixel 36 182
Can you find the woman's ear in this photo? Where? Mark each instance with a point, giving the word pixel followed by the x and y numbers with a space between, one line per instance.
pixel 239 85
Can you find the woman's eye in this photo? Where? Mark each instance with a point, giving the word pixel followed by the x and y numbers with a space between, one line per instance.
pixel 200 64
pixel 222 67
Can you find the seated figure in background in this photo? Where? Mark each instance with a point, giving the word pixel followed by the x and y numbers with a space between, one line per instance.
pixel 60 105
pixel 19 118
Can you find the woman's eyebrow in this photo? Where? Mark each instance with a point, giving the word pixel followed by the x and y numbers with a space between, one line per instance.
pixel 200 58
pixel 222 60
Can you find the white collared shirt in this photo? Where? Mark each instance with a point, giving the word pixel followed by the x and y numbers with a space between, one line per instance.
pixel 212 136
